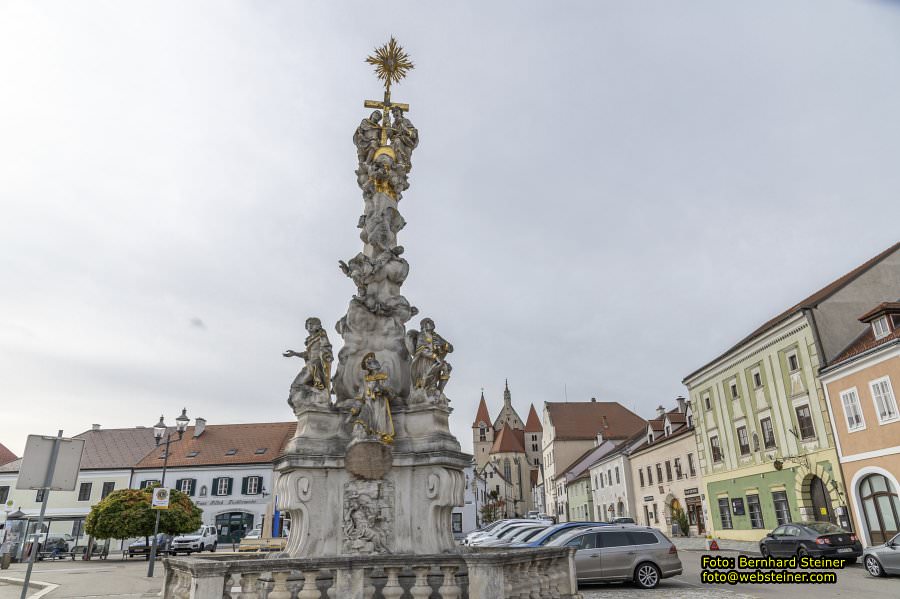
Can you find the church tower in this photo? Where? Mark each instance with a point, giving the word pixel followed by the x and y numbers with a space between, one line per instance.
pixel 508 415
pixel 482 434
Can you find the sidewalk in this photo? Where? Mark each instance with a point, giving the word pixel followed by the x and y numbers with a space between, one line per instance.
pixel 699 544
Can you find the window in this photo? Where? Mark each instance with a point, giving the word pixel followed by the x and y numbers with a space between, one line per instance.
pixel 186 486
pixel 617 476
pixel 193 454
pixel 39 496
pixel 507 470
pixel 691 469
pixel 852 411
pixel 252 485
pixel 221 486
pixel 668 471
pixel 725 512
pixel 734 391
pixel 715 448
pixel 804 419
pixel 768 432
pixel 482 433
pixel 618 538
pixel 659 473
pixel 456 522
pixel 148 483
pixel 642 538
pixel 602 481
pixel 881 328
pixel 655 514
pixel 757 379
pixel 84 491
pixel 793 363
pixel 609 477
pixel 668 430
pixel 678 468
pixel 782 507
pixel 640 472
pixel 743 440
pixel 756 516
pixel 4 494
pixel 649 476
pixel 885 403
pixel 108 488
pixel 707 403
pixel 231 451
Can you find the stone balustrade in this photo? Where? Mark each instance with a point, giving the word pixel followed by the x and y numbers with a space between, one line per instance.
pixel 541 573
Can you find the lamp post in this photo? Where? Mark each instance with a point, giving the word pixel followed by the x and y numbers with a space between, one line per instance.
pixel 159 430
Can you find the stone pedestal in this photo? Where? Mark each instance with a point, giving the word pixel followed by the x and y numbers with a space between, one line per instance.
pixel 407 510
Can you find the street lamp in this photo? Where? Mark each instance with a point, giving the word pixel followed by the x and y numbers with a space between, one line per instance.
pixel 159 430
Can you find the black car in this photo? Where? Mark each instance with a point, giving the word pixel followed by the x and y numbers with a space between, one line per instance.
pixel 812 539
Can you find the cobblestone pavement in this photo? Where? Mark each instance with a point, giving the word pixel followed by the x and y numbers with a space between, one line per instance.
pixel 663 591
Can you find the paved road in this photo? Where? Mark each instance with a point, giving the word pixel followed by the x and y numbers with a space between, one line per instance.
pixel 852 582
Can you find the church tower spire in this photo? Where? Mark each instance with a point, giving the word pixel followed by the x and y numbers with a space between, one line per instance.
pixel 507 396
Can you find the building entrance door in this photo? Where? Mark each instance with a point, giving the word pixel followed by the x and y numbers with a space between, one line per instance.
pixel 695 514
pixel 233 526
pixel 881 508
pixel 821 501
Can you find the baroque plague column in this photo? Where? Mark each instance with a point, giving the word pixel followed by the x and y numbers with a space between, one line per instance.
pixel 373 468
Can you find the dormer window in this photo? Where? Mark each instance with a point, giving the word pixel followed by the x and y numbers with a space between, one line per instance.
pixel 881 327
pixel 668 430
pixel 649 437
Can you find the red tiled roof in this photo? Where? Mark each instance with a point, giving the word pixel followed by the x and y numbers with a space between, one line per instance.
pixel 810 302
pixel 509 441
pixel 482 415
pixel 864 342
pixel 222 444
pixel 879 310
pixel 533 424
pixel 583 420
pixel 6 456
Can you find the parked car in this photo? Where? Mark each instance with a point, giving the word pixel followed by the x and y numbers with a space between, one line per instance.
pixel 814 539
pixel 622 520
pixel 622 552
pixel 494 529
pixel 554 531
pixel 881 560
pixel 204 538
pixel 514 535
pixel 139 548
pixel 504 532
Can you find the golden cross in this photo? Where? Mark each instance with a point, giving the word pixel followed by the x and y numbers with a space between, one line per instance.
pixel 391 64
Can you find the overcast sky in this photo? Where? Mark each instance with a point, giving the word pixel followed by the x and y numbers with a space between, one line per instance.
pixel 606 194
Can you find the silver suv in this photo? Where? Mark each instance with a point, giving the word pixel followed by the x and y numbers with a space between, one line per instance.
pixel 624 552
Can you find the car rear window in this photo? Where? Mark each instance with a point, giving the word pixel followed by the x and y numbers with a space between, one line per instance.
pixel 614 538
pixel 824 528
pixel 642 538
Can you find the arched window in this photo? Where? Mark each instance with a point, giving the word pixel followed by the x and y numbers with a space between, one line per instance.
pixel 881 507
pixel 482 433
pixel 507 471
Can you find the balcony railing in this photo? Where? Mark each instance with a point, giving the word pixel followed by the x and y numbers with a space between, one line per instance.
pixel 546 572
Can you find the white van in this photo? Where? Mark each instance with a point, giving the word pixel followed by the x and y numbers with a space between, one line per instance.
pixel 204 538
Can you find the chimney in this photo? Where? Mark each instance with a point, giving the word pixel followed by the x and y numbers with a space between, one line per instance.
pixel 199 426
pixel 594 400
pixel 95 427
pixel 605 421
pixel 681 404
pixel 660 412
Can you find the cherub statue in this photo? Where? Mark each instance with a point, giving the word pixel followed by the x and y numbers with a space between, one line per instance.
pixel 316 374
pixel 430 370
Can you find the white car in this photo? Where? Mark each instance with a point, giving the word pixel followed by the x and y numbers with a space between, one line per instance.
pixel 203 539
pixel 503 532
pixel 514 535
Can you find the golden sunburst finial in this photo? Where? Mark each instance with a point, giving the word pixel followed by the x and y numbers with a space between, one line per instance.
pixel 391 63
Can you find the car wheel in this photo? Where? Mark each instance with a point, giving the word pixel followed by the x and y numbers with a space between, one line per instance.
pixel 764 551
pixel 802 552
pixel 646 575
pixel 873 567
pixel 213 548
pixel 202 547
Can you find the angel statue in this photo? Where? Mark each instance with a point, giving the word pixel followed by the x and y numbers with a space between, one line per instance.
pixel 371 415
pixel 315 377
pixel 430 370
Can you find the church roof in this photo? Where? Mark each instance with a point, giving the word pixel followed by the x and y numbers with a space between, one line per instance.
pixel 509 441
pixel 482 415
pixel 533 424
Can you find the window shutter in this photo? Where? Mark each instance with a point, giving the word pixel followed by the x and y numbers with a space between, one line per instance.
pixel 215 487
pixel 244 483
pixel 230 482
pixel 192 484
pixel 178 484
